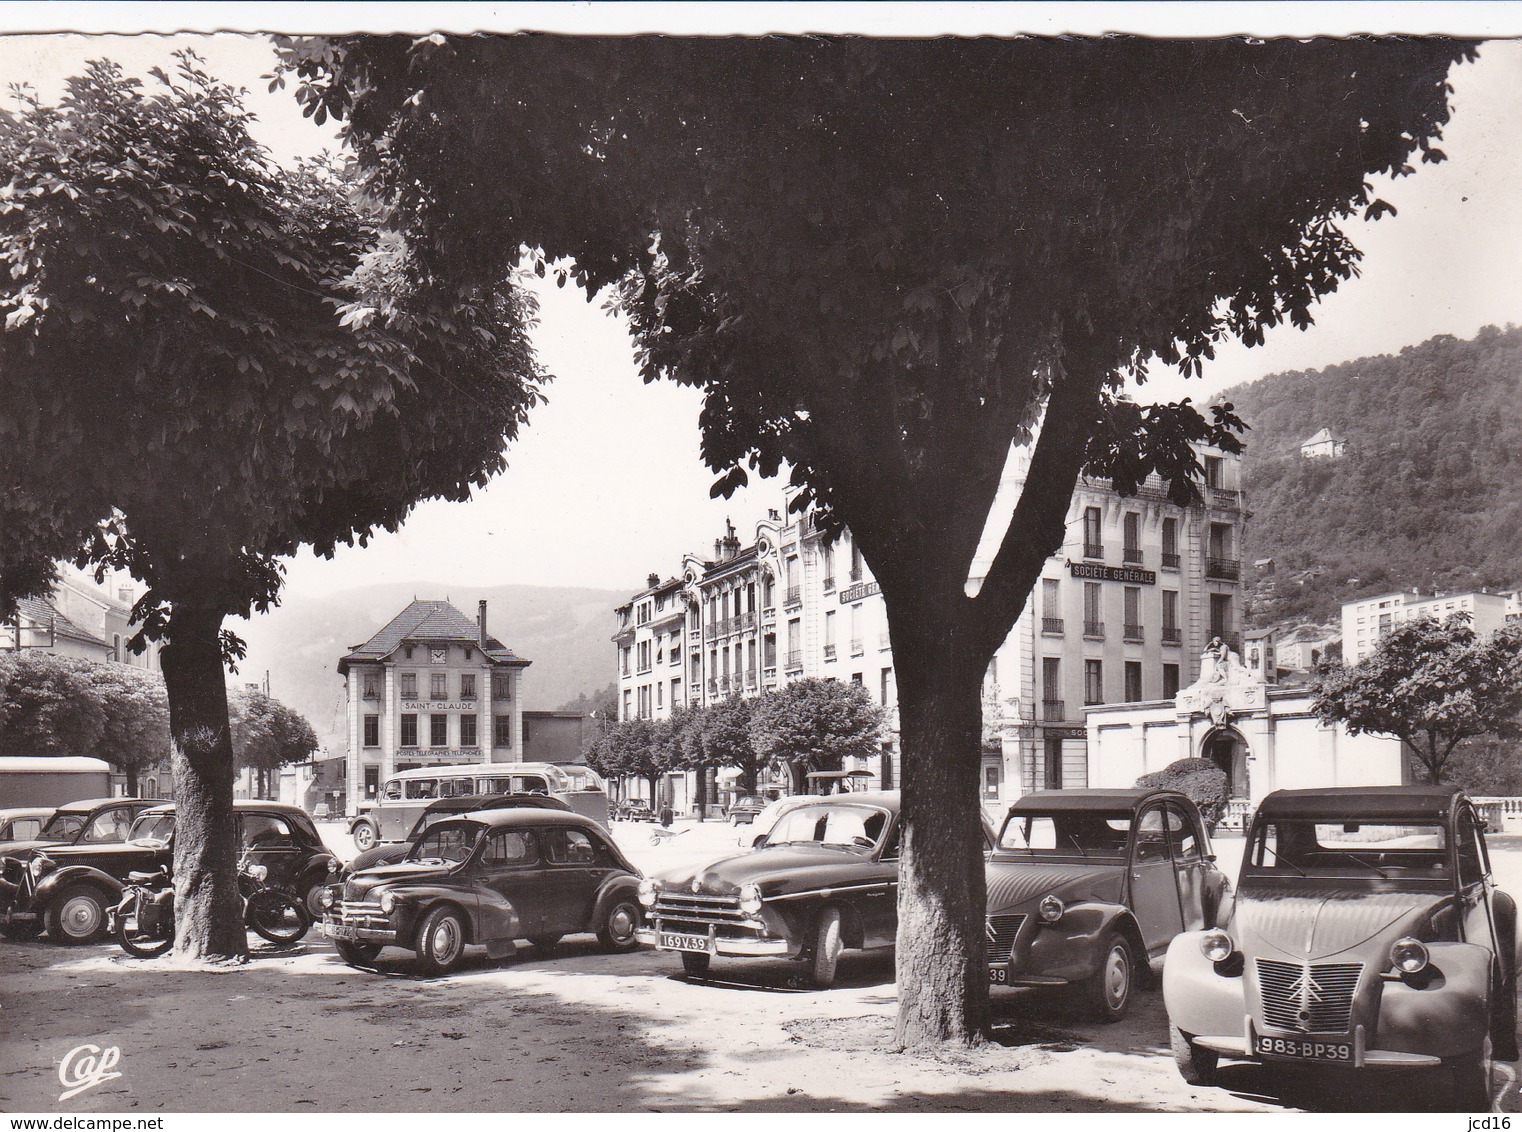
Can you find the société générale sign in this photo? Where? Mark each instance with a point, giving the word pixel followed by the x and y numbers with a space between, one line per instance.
pixel 1114 573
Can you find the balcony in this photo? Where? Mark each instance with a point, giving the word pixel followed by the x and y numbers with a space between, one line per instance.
pixel 1132 555
pixel 1172 635
pixel 1134 634
pixel 1223 569
pixel 1170 560
pixel 748 621
pixel 713 687
pixel 829 652
pixel 856 649
pixel 1054 711
pixel 1225 497
pixel 795 660
pixel 829 583
pixel 1094 630
pixel 1093 549
pixel 1051 626
pixel 1233 641
pixel 794 596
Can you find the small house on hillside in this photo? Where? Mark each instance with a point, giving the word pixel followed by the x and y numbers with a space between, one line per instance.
pixel 1323 446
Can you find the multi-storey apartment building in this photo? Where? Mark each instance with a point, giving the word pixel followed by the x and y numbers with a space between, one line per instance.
pixel 1121 613
pixel 431 688
pixel 1368 619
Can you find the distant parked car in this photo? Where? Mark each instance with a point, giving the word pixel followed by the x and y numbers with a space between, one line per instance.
pixel 826 878
pixel 1085 885
pixel 69 888
pixel 1366 933
pixel 489 877
pixel 745 809
pixel 762 823
pixel 450 808
pixel 637 809
pixel 23 823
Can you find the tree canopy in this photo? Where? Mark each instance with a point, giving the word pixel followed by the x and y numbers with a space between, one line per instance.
pixel 1432 684
pixel 267 734
pixel 206 363
pixel 816 724
pixel 887 261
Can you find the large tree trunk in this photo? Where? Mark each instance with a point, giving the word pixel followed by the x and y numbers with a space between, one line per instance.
pixel 942 948
pixel 208 919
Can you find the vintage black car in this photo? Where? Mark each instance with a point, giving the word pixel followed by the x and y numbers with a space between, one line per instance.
pixel 824 879
pixel 745 808
pixel 69 888
pixel 93 821
pixel 1366 933
pixel 23 823
pixel 636 809
pixel 1086 886
pixel 394 851
pixel 489 877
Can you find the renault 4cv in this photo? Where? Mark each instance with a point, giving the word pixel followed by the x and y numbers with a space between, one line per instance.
pixel 1366 934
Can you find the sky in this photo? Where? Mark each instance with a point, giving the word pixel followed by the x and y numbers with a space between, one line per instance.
pixel 606 485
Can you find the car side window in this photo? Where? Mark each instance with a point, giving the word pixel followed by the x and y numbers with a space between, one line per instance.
pixel 263 831
pixel 108 826
pixel 508 848
pixel 1472 861
pixel 393 792
pixel 1151 835
pixel 568 847
pixel 890 846
pixel 1186 842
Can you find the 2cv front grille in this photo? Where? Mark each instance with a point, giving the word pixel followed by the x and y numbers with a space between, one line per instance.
pixel 1001 936
pixel 1310 998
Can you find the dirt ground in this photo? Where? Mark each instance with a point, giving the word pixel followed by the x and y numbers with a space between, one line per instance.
pixel 297 1030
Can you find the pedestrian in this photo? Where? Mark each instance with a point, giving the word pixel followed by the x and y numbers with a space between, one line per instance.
pixel 666 815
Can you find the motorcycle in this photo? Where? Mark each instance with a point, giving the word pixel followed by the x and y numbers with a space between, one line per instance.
pixel 143 921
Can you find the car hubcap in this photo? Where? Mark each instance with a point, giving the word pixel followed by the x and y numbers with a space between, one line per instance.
pixel 81 916
pixel 1117 978
pixel 445 939
pixel 621 923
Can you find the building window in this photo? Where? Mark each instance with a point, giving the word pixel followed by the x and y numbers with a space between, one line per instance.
pixel 1214 466
pixel 371 686
pixel 1131 549
pixel 1093 682
pixel 1052 707
pixel 409 652
pixel 768 592
pixel 659 691
pixel 467 685
pixel 372 731
pixel 1093 542
pixel 794 594
pixel 855 560
pixel 502 727
pixel 856 678
pixel 794 651
pixel 1093 610
pixel 827 566
pixel 438 685
pixel 1170 543
pixel 628 700
pixel 1052 771
pixel 1171 634
pixel 1220 615
pixel 829 634
pixel 468 730
pixel 1170 681
pixel 438 730
pixel 769 651
pixel 1132 596
pixel 501 686
pixel 1133 681
pixel 409 730
pixel 990 781
pixel 409 685
pixel 887 684
pixel 856 649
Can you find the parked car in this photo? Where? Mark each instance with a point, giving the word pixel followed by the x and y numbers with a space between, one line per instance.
pixel 91 821
pixel 1086 886
pixel 762 824
pixel 1366 933
pixel 448 808
pixel 825 878
pixel 69 888
pixel 637 809
pixel 745 809
pixel 23 823
pixel 490 877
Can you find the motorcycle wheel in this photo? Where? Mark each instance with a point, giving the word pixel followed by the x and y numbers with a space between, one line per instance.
pixel 277 916
pixel 134 942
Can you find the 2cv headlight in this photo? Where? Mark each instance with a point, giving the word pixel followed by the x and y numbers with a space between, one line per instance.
pixel 750 899
pixel 1409 956
pixel 40 866
pixel 1215 945
pixel 1051 908
pixel 647 891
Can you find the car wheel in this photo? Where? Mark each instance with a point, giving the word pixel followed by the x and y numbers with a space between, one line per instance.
pixel 1472 1080
pixel 545 942
pixel 441 941
pixel 733 820
pixel 365 837
pixel 1107 992
pixel 827 948
pixel 77 915
pixel 619 925
pixel 312 898
pixel 695 964
pixel 357 954
pixel 1195 1065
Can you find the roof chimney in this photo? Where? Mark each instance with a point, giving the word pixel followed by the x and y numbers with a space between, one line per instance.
pixel 652 580
pixel 481 622
pixel 718 550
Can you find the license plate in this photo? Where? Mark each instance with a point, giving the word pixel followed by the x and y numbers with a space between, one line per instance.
pixel 1306 1049
pixel 673 942
pixel 339 931
pixel 998 975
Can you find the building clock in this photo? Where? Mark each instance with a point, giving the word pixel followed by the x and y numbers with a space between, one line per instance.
pixel 440 656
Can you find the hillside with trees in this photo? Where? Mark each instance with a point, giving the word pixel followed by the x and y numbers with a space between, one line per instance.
pixel 1427 495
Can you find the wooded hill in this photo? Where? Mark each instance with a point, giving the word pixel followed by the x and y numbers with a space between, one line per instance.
pixel 1427 495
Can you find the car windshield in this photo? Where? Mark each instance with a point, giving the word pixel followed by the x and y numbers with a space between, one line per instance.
pixel 749 800
pixel 445 844
pixel 1083 833
pixel 62 827
pixel 429 820
pixel 1388 848
pixel 834 824
pixel 153 827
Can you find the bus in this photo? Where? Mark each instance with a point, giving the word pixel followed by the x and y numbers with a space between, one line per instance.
pixel 406 794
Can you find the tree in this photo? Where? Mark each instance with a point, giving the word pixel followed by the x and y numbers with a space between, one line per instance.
pixel 814 724
pixel 267 735
pixel 262 367
pixel 723 734
pixel 1201 780
pixel 885 262
pixel 46 707
pixel 1432 685
pixel 135 735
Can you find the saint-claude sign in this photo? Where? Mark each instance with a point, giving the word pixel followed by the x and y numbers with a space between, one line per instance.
pixel 440 705
pixel 1114 573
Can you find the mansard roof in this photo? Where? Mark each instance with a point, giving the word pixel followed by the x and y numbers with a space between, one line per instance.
pixel 429 622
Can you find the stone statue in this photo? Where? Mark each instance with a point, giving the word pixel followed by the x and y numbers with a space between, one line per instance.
pixel 1223 685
